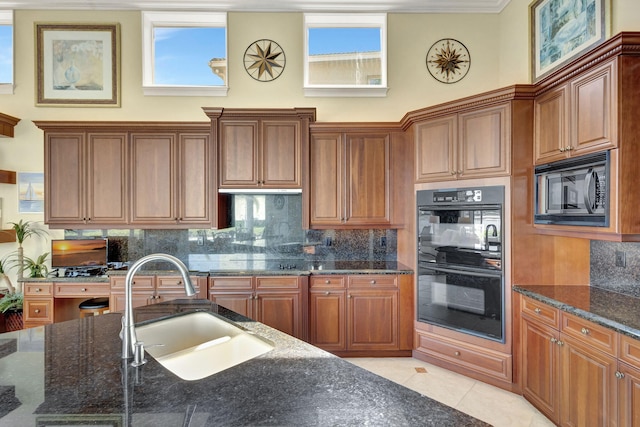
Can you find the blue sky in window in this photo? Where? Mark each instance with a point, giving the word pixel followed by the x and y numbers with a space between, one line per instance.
pixel 343 40
pixel 182 55
pixel 6 55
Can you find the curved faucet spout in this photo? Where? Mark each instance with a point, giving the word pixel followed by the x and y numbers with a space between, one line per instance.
pixel 128 333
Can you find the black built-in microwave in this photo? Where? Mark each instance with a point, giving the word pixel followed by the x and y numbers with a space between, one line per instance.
pixel 573 191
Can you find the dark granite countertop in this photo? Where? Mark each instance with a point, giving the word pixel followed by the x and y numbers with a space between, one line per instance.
pixel 610 309
pixel 294 384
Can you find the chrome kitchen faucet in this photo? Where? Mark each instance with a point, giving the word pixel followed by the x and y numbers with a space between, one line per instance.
pixel 128 332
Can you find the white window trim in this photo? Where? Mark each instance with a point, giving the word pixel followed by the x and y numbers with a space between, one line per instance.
pixel 178 19
pixel 354 20
pixel 6 18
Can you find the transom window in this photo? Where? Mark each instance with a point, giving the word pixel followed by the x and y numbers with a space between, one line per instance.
pixel 345 54
pixel 185 53
pixel 6 52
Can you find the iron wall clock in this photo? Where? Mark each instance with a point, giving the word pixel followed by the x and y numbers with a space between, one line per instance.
pixel 448 60
pixel 264 60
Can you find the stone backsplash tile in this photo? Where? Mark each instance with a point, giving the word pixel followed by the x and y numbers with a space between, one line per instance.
pixel 604 273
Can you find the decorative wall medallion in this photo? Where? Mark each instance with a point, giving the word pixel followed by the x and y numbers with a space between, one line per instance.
pixel 448 61
pixel 264 60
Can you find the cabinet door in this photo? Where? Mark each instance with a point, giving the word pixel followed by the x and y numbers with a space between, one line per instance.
pixel 240 302
pixel 64 186
pixel 195 192
pixel 281 154
pixel 484 142
pixel 588 385
pixel 153 190
pixel 372 320
pixel 436 149
pixel 238 160
pixel 629 396
pixel 326 179
pixel 280 310
pixel 551 133
pixel 327 319
pixel 367 173
pixel 540 363
pixel 107 178
pixel 592 115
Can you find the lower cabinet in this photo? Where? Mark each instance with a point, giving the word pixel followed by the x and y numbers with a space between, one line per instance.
pixel 571 369
pixel 37 307
pixel 276 301
pixel 359 313
pixel 147 290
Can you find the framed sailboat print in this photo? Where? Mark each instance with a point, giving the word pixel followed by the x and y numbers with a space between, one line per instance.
pixel 30 192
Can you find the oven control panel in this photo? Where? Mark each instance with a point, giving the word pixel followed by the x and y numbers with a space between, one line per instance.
pixel 457 196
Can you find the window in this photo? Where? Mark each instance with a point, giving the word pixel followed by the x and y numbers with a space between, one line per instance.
pixel 6 52
pixel 345 54
pixel 185 54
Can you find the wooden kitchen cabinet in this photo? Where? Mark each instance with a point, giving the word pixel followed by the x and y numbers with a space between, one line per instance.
pixel 578 117
pixel 38 304
pixel 85 178
pixel 261 148
pixel 629 382
pixel 569 366
pixel 147 290
pixel 276 301
pixel 359 314
pixel 472 143
pixel 350 179
pixel 170 182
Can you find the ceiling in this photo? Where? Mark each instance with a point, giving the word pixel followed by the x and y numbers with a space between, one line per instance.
pixel 396 6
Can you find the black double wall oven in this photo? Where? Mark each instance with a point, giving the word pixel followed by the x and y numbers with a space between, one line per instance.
pixel 460 276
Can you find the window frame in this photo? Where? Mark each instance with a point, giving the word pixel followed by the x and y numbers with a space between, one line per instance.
pixel 6 18
pixel 150 20
pixel 346 20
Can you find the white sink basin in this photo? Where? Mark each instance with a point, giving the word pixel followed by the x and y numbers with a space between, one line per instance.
pixel 199 344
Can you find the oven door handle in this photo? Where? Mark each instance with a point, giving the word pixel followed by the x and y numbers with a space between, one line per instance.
pixel 467 272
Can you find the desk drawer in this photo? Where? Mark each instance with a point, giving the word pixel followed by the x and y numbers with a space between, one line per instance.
pixel 70 290
pixel 38 289
pixel 38 310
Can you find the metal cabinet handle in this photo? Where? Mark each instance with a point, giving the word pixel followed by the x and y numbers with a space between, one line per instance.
pixel 36 311
pixel 373 282
pixel 585 331
pixel 38 290
pixel 568 148
pixel 619 375
pixel 457 353
pixel 560 343
pixel 83 289
pixel 327 281
pixel 553 340
pixel 453 172
pixel 537 310
pixel 327 293
pixel 349 296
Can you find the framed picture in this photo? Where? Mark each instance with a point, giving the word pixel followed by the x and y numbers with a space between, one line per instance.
pixel 561 30
pixel 30 192
pixel 78 65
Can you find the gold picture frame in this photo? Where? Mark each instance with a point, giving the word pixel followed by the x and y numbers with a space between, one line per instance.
pixel 77 64
pixel 561 30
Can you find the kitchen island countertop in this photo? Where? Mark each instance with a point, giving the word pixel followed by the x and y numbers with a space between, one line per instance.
pixel 72 372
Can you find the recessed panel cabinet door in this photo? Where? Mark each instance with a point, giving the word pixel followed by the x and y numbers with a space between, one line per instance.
pixel 238 154
pixel 194 179
pixel 327 314
pixel 281 156
pixel 327 189
pixel 64 186
pixel 372 320
pixel 152 178
pixel 436 149
pixel 106 178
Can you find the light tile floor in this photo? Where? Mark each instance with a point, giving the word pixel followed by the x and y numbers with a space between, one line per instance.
pixel 490 404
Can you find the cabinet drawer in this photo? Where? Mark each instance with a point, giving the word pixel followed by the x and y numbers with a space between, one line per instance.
pixel 38 310
pixel 38 289
pixel 139 282
pixel 277 282
pixel 174 283
pixel 477 359
pixel 541 312
pixel 595 335
pixel 326 281
pixel 373 281
pixel 219 283
pixel 81 290
pixel 629 350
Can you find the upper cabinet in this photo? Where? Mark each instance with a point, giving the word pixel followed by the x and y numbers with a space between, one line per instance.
pixel 261 149
pixel 7 123
pixel 589 106
pixel 469 144
pixel 350 178
pixel 577 117
pixel 128 175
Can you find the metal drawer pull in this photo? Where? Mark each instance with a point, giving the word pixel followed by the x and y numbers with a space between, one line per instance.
pixel 585 331
pixel 327 281
pixel 619 375
pixel 84 289
pixel 38 289
pixel 457 353
pixel 327 293
pixel 553 340
pixel 537 310
pixel 36 311
pixel 373 282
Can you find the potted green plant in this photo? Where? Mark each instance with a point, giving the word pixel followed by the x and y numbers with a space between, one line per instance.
pixel 11 307
pixel 24 230
pixel 36 267
pixel 3 275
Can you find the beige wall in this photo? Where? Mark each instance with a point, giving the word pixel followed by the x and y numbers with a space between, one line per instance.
pixel 498 44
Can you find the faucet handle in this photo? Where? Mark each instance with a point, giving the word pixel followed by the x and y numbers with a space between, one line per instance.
pixel 138 354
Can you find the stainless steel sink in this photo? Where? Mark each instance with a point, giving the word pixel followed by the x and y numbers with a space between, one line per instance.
pixel 196 345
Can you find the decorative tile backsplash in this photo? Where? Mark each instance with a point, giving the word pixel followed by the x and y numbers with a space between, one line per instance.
pixel 606 274
pixel 265 226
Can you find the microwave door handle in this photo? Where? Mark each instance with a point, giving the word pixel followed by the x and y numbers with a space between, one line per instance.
pixel 587 186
